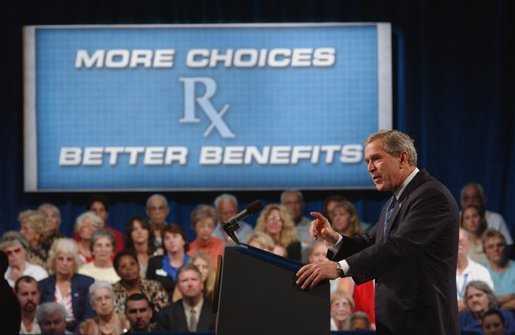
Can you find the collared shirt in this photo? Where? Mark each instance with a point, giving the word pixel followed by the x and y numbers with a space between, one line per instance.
pixel 197 308
pixel 35 328
pixel 343 263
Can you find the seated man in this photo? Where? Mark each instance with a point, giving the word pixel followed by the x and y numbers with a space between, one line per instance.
pixel 480 298
pixel 27 292
pixel 51 319
pixel 191 313
pixel 139 312
pixel 226 206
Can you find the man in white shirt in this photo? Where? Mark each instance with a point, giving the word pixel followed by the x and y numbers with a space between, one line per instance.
pixel 473 194
pixel 227 207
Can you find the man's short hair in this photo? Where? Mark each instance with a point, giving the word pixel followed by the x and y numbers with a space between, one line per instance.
pixel 48 308
pixel 396 142
pixel 25 279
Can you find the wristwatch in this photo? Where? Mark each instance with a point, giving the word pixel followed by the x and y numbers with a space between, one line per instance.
pixel 340 270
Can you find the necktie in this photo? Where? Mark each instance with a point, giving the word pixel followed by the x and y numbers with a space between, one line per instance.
pixel 193 321
pixel 389 213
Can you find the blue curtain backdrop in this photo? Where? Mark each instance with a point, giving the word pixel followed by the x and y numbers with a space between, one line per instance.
pixel 453 91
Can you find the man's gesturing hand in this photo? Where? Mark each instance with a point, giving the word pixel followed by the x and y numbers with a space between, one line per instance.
pixel 321 228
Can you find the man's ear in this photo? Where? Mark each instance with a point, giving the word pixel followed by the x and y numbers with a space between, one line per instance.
pixel 403 156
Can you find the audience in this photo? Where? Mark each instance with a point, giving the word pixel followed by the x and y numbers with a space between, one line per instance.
pixel 501 268
pixel 85 225
pixel 27 292
pixel 15 247
pixel 102 245
pixel 51 319
pixel 276 221
pixel 329 203
pixel 493 323
pixel 226 206
pixel 473 194
pixel 203 221
pixel 467 270
pixel 474 222
pixel 193 312
pixel 32 228
pixel 98 204
pixel 261 240
pixel 203 263
pixel 164 268
pixel 293 200
pixel 140 239
pixel 157 210
pixel 65 286
pixel 344 219
pixel 139 311
pixel 126 265
pixel 106 320
pixel 342 306
pixel 359 321
pixel 479 299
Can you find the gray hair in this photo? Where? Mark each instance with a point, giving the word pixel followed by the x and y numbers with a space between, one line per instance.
pixel 359 315
pixel 156 196
pixel 94 218
pixel 395 142
pixel 48 308
pixel 98 235
pixel 479 189
pixel 225 197
pixel 66 246
pixel 295 191
pixel 482 286
pixel 53 208
pixel 97 285
pixel 11 237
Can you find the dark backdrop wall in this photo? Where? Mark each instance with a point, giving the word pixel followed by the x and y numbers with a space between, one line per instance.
pixel 453 91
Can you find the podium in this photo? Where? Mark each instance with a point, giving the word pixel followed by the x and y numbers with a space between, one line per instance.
pixel 257 295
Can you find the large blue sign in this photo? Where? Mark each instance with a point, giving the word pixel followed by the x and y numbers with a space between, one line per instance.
pixel 203 107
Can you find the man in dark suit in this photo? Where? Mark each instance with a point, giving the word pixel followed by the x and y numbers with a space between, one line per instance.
pixel 193 312
pixel 412 250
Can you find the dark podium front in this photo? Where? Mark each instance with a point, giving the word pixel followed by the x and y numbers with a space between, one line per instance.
pixel 258 295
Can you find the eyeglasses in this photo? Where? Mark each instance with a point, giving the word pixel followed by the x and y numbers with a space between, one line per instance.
pixel 494 246
pixel 158 208
pixel 16 251
pixel 274 218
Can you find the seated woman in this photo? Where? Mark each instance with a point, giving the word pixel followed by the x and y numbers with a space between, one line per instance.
pixel 344 219
pixel 65 286
pixel 203 221
pixel 32 228
pixel 276 221
pixel 479 298
pixel 85 225
pixel 473 220
pixel 106 320
pixel 126 265
pixel 15 247
pixel 493 323
pixel 261 240
pixel 500 267
pixel 164 268
pixel 52 216
pixel 342 306
pixel 203 263
pixel 140 239
pixel 102 246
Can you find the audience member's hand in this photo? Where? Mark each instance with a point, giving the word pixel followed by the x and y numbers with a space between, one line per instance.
pixel 321 228
pixel 311 274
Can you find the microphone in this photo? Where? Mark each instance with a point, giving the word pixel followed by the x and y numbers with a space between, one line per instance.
pixel 232 224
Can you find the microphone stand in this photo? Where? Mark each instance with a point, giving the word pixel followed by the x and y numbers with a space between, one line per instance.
pixel 230 228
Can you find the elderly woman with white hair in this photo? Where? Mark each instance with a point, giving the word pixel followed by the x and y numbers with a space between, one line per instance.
pixel 106 321
pixel 15 247
pixel 65 286
pixel 85 225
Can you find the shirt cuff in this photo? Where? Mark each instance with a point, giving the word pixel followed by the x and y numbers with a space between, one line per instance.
pixel 335 247
pixel 345 266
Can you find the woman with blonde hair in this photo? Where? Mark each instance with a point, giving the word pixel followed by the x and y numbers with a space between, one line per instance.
pixel 65 286
pixel 276 221
pixel 342 307
pixel 344 219
pixel 85 225
pixel 32 228
pixel 261 240
pixel 203 263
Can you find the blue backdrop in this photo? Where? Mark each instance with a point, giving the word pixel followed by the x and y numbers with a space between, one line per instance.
pixel 453 90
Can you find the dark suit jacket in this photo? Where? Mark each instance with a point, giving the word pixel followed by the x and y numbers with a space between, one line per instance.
pixel 156 264
pixel 80 294
pixel 414 263
pixel 173 318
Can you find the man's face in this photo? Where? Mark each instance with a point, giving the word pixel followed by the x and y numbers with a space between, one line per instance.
pixel 157 210
pixel 477 300
pixel 190 284
pixel 383 168
pixel 226 210
pixel 28 296
pixel 294 204
pixel 470 197
pixel 54 324
pixel 139 314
